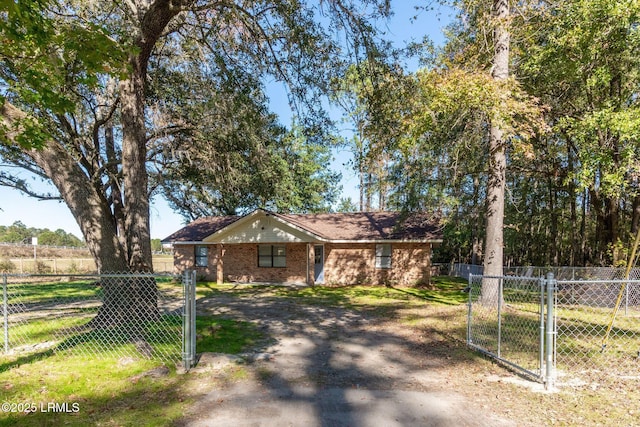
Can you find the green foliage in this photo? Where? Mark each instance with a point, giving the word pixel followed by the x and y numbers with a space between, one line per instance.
pixel 284 172
pixel 20 233
pixel 570 113
pixel 171 94
pixel 43 57
pixel 346 205
pixel 156 245
pixel 594 46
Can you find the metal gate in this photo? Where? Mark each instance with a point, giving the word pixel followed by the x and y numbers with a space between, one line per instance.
pixel 585 330
pixel 87 313
pixel 509 320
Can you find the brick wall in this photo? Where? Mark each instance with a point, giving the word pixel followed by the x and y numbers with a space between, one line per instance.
pixel 346 264
pixel 411 263
pixel 184 258
pixel 240 263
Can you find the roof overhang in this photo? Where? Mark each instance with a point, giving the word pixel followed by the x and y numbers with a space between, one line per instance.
pixel 230 234
pixel 272 229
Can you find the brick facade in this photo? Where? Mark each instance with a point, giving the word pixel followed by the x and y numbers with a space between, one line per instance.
pixel 344 263
pixel 348 264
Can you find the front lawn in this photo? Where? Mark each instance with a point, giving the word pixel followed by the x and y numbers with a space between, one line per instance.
pixel 70 388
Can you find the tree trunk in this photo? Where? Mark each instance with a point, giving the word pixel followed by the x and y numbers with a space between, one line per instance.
pixel 476 224
pixel 554 237
pixel 89 208
pixel 607 226
pixel 134 172
pixel 494 252
pixel 136 299
pixel 575 244
pixel 586 257
pixel 115 250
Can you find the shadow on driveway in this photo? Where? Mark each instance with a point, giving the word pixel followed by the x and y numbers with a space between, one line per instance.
pixel 332 366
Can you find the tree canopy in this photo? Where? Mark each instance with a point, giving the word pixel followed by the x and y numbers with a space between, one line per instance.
pixel 116 102
pixel 567 114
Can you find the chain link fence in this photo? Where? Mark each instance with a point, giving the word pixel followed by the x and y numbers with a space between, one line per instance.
pixel 558 331
pixel 121 315
pixel 560 273
pixel 505 321
pixel 598 329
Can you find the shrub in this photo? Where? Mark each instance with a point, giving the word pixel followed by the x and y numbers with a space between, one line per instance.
pixel 6 266
pixel 42 268
pixel 73 268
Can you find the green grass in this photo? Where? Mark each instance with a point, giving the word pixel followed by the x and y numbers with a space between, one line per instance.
pixel 60 292
pixel 44 329
pixel 50 292
pixel 441 291
pixel 70 332
pixel 107 391
pixel 217 335
pixel 110 390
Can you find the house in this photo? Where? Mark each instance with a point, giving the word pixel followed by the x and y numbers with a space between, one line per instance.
pixel 330 248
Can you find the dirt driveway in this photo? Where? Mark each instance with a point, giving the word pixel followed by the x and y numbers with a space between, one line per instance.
pixel 328 366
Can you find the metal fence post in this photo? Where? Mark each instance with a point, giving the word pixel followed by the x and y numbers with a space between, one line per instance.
pixel 5 312
pixel 189 321
pixel 469 304
pixel 551 287
pixel 542 283
pixel 500 296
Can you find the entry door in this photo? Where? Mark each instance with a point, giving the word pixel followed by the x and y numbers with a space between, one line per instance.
pixel 318 264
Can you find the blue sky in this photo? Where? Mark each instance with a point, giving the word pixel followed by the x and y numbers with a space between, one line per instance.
pixel 401 28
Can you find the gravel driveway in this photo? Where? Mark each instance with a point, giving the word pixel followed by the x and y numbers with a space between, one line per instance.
pixel 328 366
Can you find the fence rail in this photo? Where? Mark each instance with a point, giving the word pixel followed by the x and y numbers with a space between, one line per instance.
pixel 560 273
pixel 122 315
pixel 29 245
pixel 557 331
pixel 161 265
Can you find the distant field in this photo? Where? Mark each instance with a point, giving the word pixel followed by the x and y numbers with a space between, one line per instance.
pixel 26 251
pixel 20 259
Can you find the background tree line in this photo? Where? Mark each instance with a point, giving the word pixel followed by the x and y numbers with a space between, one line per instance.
pixel 20 233
pixel 570 119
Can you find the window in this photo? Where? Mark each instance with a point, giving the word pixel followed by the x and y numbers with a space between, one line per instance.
pixel 383 255
pixel 272 256
pixel 202 256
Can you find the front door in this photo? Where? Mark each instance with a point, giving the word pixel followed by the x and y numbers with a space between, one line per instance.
pixel 318 264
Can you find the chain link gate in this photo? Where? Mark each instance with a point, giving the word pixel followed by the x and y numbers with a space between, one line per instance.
pixel 507 321
pixel 577 331
pixel 598 330
pixel 123 315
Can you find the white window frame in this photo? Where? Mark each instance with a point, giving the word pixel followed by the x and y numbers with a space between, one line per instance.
pixel 384 254
pixel 200 257
pixel 272 256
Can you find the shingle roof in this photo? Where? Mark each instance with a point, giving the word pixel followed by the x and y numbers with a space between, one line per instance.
pixel 361 226
pixel 200 228
pixel 367 226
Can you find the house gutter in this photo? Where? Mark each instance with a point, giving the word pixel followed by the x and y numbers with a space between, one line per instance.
pixel 318 240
